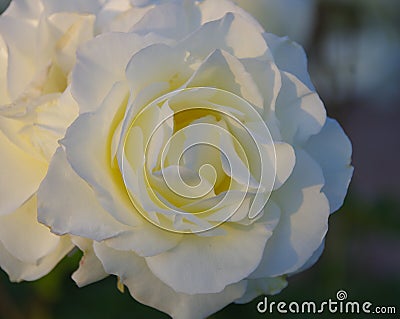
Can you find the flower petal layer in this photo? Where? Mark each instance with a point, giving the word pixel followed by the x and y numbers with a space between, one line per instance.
pixel 20 174
pixel 208 264
pixel 331 148
pixel 303 223
pixel 148 289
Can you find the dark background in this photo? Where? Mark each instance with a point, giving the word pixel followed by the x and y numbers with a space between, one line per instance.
pixel 354 54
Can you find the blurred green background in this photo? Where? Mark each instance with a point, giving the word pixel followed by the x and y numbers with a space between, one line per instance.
pixel 354 54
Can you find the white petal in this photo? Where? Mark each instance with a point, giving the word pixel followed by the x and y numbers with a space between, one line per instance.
pixel 170 19
pixel 18 270
pixel 227 34
pixel 20 174
pixel 119 15
pixel 27 9
pixel 267 77
pixel 136 104
pixel 100 63
pixel 23 236
pixel 173 183
pixel 303 223
pixel 4 95
pixel 223 71
pixel 233 164
pixel 285 161
pixel 157 63
pixel 249 29
pixel 75 29
pixel 313 259
pixel 214 10
pixel 73 208
pixel 290 57
pixel 262 286
pixel 19 37
pixel 198 155
pixel 90 267
pixel 93 132
pixel 145 240
pixel 54 118
pixel 209 264
pixel 331 148
pixel 148 289
pixel 41 131
pixel 299 110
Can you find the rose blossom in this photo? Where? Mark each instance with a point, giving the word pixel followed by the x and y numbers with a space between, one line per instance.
pixel 38 42
pixel 202 168
pixel 110 210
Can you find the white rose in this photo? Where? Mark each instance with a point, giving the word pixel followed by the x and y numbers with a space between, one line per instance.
pixel 293 18
pixel 38 41
pixel 202 166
